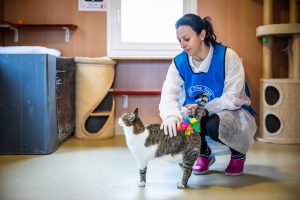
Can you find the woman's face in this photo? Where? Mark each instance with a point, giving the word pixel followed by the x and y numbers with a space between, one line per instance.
pixel 189 40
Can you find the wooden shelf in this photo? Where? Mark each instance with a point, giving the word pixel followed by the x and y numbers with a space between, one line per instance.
pixel 100 114
pixel 278 29
pixel 136 92
pixel 6 24
pixel 143 58
pixel 16 27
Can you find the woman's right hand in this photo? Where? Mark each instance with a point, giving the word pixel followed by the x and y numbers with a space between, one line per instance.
pixel 169 126
pixel 191 108
pixel 196 111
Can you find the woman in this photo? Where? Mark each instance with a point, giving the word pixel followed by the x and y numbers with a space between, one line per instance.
pixel 206 66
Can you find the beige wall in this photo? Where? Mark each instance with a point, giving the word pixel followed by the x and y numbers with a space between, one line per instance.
pixel 88 40
pixel 235 22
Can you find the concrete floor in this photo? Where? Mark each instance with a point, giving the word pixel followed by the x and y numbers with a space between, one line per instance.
pixel 105 170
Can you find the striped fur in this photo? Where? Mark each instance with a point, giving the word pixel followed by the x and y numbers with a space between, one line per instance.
pixel 200 110
pixel 147 143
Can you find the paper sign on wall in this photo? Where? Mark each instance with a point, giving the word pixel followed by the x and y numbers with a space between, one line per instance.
pixel 92 5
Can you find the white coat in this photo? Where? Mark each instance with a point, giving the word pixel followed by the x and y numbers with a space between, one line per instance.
pixel 237 126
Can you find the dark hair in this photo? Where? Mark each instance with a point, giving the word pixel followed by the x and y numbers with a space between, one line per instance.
pixel 198 24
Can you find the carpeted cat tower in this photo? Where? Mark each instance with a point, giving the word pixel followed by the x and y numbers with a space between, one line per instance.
pixel 279 99
pixel 95 104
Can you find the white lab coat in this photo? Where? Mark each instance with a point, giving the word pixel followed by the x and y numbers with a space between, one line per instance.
pixel 237 126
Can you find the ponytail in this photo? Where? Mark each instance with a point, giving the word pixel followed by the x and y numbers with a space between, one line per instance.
pixel 211 37
pixel 198 24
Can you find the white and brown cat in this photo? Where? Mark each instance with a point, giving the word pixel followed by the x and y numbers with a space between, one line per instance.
pixel 150 142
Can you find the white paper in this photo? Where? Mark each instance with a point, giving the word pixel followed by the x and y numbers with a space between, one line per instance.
pixel 92 5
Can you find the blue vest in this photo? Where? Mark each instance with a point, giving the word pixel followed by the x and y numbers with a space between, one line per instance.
pixel 211 83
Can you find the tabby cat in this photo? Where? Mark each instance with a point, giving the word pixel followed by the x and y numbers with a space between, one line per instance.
pixel 147 143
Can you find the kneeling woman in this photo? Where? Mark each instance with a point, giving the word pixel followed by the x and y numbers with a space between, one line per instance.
pixel 206 66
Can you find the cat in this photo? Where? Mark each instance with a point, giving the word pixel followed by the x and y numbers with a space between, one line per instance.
pixel 150 142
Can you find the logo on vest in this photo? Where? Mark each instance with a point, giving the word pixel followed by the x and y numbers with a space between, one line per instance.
pixel 196 89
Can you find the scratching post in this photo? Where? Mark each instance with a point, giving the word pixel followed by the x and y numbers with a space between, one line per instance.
pixel 294 13
pixel 268 41
pixel 267 58
pixel 94 101
pixel 279 109
pixel 296 56
pixel 268 12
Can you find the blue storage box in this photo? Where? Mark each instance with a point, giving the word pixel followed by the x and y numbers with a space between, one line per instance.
pixel 28 111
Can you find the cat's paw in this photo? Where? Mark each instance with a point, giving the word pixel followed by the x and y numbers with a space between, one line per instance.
pixel 142 184
pixel 180 185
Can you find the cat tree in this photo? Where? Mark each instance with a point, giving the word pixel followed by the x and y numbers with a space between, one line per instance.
pixel 280 97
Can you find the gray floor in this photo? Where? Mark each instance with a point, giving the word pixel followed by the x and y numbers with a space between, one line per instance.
pixel 105 170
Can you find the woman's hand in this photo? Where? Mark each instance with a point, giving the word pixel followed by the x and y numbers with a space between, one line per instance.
pixel 191 108
pixel 196 111
pixel 170 126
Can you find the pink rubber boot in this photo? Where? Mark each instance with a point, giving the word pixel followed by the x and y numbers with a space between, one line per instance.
pixel 235 167
pixel 202 165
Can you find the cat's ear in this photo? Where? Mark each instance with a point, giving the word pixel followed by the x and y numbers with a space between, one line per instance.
pixel 136 111
pixel 131 117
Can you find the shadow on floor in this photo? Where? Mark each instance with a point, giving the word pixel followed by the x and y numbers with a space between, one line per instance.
pixel 253 175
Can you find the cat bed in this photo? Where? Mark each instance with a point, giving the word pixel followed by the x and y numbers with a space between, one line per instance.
pixel 94 101
pixel 29 50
